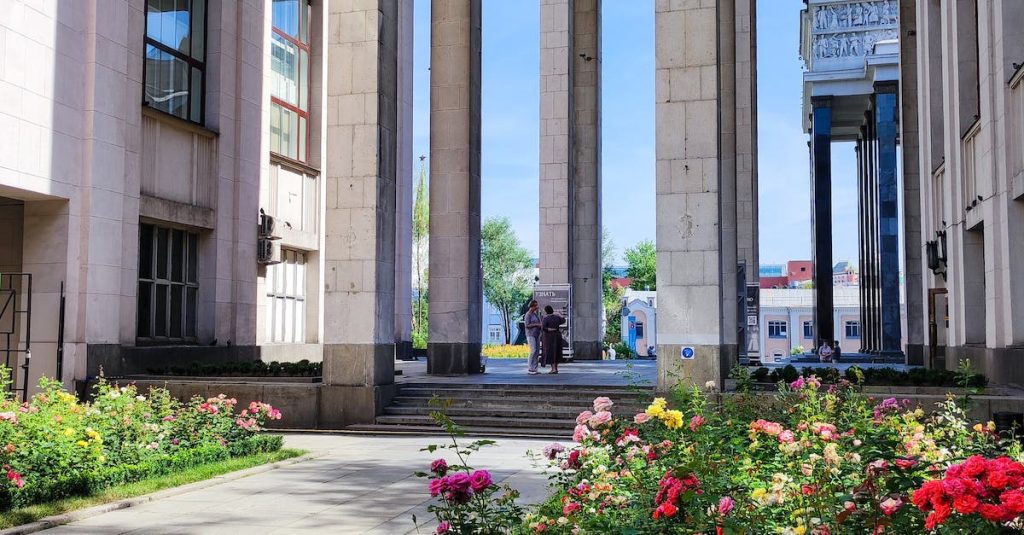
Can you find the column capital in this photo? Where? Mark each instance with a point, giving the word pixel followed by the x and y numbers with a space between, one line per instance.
pixel 823 101
pixel 887 86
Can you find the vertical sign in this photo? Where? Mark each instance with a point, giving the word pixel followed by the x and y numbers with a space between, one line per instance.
pixel 753 324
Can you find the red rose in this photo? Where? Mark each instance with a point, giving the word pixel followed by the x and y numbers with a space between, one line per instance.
pixel 965 504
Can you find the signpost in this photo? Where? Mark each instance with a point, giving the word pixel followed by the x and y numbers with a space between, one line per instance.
pixel 559 297
pixel 753 324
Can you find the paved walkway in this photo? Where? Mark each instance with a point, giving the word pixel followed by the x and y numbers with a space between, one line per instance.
pixel 513 371
pixel 357 485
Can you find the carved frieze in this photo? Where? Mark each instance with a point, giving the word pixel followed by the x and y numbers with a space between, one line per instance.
pixel 856 15
pixel 849 44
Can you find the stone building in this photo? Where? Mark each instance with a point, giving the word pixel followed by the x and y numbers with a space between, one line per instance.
pixel 969 103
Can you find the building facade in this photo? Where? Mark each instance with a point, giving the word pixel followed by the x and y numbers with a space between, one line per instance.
pixel 969 106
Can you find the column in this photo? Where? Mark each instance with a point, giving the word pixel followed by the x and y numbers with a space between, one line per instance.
pixel 687 197
pixel 746 142
pixel 821 218
pixel 570 163
pixel 888 218
pixel 359 242
pixel 404 184
pixel 871 235
pixel 910 141
pixel 456 281
pixel 861 238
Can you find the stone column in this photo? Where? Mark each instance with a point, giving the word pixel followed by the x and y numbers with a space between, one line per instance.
pixel 688 184
pixel 570 162
pixel 914 276
pixel 861 236
pixel 888 223
pixel 746 142
pixel 359 250
pixel 821 199
pixel 456 289
pixel 871 236
pixel 404 184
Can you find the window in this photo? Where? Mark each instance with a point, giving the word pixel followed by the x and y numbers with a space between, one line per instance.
pixel 286 299
pixel 808 330
pixel 176 57
pixel 289 79
pixel 853 329
pixel 168 284
pixel 495 334
pixel 639 329
pixel 777 329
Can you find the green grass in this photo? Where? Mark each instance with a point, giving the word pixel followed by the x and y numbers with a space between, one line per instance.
pixel 32 513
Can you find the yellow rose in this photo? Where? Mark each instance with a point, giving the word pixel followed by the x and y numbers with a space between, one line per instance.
pixel 978 428
pixel 673 419
pixel 69 432
pixel 82 443
pixel 758 494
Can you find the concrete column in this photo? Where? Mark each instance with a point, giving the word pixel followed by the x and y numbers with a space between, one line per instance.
pixel 746 143
pixel 456 288
pixel 587 287
pixel 359 251
pixel 870 169
pixel 888 208
pixel 796 328
pixel 689 180
pixel 861 236
pixel 913 243
pixel 404 184
pixel 821 198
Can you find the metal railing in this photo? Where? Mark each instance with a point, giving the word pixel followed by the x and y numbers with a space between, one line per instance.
pixel 16 325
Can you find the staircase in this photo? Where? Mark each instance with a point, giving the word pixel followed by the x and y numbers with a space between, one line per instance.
pixel 509 410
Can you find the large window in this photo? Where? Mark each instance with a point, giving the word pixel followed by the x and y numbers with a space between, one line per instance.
pixel 853 329
pixel 168 284
pixel 777 329
pixel 286 299
pixel 808 330
pixel 176 57
pixel 289 79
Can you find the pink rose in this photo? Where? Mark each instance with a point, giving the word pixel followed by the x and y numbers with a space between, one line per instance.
pixel 641 418
pixel 439 467
pixel 602 404
pixel 480 480
pixel 458 481
pixel 786 437
pixel 583 417
pixel 437 486
pixel 696 422
pixel 443 527
pixel 600 419
pixel 726 505
pixel 891 505
pixel 580 433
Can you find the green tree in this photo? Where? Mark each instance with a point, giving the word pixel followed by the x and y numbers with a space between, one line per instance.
pixel 641 262
pixel 611 297
pixel 507 269
pixel 421 243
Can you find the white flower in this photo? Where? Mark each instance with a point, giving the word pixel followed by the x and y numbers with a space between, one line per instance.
pixel 114 394
pixel 711 386
pixel 140 398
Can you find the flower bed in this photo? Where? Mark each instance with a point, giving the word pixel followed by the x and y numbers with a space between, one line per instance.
pixel 506 351
pixel 872 376
pixel 54 447
pixel 255 368
pixel 819 460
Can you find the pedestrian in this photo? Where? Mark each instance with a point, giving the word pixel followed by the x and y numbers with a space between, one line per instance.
pixel 552 337
pixel 825 352
pixel 532 322
pixel 837 353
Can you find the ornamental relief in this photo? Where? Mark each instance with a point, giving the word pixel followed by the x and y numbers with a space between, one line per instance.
pixel 836 17
pixel 850 44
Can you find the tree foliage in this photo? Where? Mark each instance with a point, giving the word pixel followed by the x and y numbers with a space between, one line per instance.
pixel 420 240
pixel 641 262
pixel 507 269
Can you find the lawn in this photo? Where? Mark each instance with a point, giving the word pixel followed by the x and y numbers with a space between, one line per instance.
pixel 32 513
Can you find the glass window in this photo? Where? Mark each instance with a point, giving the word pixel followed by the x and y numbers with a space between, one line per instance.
pixel 808 330
pixel 168 284
pixel 286 299
pixel 495 334
pixel 289 79
pixel 777 329
pixel 853 329
pixel 176 57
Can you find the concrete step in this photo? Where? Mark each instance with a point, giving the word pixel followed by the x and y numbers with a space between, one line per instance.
pixel 433 430
pixel 506 391
pixel 577 406
pixel 524 412
pixel 565 425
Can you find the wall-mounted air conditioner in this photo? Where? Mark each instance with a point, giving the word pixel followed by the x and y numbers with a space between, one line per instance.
pixel 267 226
pixel 268 251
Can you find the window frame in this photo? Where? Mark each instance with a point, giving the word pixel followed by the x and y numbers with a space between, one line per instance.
pixel 307 47
pixel 781 327
pixel 297 296
pixel 155 281
pixel 808 330
pixel 191 61
pixel 851 324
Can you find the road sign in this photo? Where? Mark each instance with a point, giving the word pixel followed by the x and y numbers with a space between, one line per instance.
pixel 686 353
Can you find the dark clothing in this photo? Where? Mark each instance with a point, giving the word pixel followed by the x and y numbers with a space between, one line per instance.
pixel 551 338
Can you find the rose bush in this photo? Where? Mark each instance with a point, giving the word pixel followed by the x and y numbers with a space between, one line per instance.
pixel 53 446
pixel 814 459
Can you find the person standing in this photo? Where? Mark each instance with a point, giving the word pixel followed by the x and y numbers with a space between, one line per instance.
pixel 532 323
pixel 552 337
pixel 837 353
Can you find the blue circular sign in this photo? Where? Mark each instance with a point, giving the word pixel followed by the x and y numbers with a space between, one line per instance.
pixel 687 352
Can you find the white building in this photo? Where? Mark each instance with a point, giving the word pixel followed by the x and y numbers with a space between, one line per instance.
pixel 642 307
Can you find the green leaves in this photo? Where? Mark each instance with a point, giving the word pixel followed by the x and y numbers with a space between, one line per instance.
pixel 508 269
pixel 641 265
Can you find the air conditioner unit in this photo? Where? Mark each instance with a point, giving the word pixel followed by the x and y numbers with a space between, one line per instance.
pixel 268 251
pixel 267 226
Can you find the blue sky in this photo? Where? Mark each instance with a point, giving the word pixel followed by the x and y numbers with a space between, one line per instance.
pixel 510 126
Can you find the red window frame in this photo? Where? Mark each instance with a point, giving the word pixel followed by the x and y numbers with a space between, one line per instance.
pixel 303 4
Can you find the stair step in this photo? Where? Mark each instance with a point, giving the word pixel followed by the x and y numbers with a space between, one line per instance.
pixel 433 430
pixel 507 392
pixel 565 425
pixel 525 412
pixel 574 404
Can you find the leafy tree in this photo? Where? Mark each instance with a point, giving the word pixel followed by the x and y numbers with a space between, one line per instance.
pixel 641 262
pixel 507 269
pixel 611 297
pixel 421 243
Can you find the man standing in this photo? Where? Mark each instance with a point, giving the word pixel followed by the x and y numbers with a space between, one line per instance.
pixel 532 322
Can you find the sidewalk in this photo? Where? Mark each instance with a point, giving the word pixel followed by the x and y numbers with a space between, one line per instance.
pixel 356 485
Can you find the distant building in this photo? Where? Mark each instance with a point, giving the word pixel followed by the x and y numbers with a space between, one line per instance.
pixel 640 316
pixel 844 274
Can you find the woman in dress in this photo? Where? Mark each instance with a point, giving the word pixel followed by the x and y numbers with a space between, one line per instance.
pixel 551 338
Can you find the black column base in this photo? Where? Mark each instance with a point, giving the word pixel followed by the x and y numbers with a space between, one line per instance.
pixel 453 358
pixel 403 350
pixel 587 350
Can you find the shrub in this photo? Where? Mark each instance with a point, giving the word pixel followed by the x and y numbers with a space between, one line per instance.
pixel 254 368
pixel 623 351
pixel 54 447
